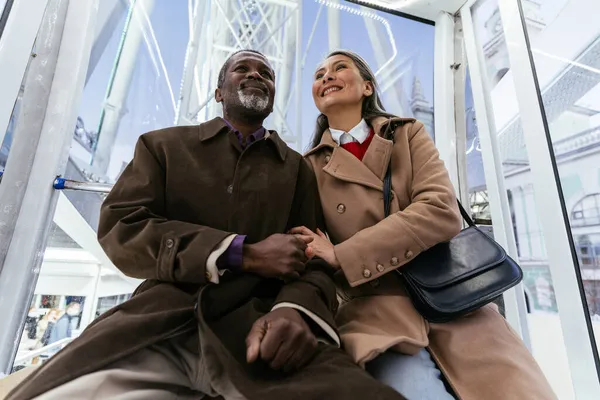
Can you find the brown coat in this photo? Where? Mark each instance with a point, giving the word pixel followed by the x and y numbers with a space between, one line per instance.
pixel 187 189
pixel 480 355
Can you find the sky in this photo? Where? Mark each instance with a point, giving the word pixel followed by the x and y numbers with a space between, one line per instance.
pixel 149 104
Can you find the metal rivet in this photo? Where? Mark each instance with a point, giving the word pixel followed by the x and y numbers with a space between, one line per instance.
pixel 367 273
pixel 394 261
pixel 380 268
pixel 230 189
pixel 327 158
pixel 170 243
pixel 341 208
pixel 409 254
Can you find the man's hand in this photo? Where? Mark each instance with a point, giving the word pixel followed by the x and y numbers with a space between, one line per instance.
pixel 282 339
pixel 278 256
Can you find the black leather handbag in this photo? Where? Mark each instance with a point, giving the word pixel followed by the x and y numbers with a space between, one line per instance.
pixel 454 278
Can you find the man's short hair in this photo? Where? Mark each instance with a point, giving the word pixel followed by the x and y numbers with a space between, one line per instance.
pixel 223 70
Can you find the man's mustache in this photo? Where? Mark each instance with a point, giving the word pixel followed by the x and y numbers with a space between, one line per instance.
pixel 255 85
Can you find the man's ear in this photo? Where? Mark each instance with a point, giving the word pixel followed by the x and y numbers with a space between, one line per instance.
pixel 218 96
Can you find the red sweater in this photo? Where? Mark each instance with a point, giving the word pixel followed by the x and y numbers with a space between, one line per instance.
pixel 359 149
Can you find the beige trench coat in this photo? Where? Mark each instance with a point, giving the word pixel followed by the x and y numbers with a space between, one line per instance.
pixel 479 354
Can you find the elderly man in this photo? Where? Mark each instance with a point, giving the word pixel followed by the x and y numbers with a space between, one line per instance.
pixel 230 307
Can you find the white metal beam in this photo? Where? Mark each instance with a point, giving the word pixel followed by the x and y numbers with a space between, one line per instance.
pixel 514 299
pixel 333 26
pixel 443 84
pixel 16 43
pixel 119 86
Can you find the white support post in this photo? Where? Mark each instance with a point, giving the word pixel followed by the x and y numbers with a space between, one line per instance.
pixel 443 83
pixel 189 85
pixel 16 43
pixel 460 121
pixel 119 87
pixel 575 320
pixel 333 26
pixel 514 299
pixel 47 131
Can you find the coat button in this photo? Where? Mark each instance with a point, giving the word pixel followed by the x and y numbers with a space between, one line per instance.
pixel 341 208
pixel 375 283
pixel 327 158
pixel 367 273
pixel 170 243
pixel 380 268
pixel 409 254
pixel 230 189
pixel 394 261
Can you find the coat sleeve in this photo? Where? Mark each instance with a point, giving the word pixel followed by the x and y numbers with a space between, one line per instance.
pixel 138 237
pixel 314 294
pixel 431 218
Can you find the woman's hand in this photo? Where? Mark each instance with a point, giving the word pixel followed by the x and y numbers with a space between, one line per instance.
pixel 320 246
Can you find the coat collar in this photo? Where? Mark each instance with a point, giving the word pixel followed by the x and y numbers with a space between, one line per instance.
pixel 371 170
pixel 212 128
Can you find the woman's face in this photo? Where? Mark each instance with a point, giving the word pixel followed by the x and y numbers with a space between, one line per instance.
pixel 337 82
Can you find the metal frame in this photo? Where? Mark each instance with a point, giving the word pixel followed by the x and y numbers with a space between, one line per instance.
pixel 514 299
pixel 578 334
pixel 443 96
pixel 74 32
pixel 16 43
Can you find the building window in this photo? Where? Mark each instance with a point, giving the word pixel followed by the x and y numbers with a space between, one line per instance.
pixel 587 211
pixel 588 250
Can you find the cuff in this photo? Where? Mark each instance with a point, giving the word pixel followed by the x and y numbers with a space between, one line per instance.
pixel 212 272
pixel 320 322
pixel 231 259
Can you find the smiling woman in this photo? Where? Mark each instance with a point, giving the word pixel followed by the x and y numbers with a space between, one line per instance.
pixel 349 77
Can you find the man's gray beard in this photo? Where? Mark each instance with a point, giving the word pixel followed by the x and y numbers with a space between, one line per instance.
pixel 253 102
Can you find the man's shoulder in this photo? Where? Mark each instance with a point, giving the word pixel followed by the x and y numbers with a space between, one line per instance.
pixel 172 133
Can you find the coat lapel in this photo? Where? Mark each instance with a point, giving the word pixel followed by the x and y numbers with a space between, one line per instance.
pixel 378 156
pixel 345 166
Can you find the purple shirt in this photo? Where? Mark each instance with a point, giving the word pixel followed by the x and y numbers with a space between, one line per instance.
pixel 231 259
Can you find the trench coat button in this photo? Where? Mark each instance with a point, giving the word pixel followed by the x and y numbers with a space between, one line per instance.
pixel 409 254
pixel 341 208
pixel 394 261
pixel 367 273
pixel 375 283
pixel 327 158
pixel 230 189
pixel 170 243
pixel 380 268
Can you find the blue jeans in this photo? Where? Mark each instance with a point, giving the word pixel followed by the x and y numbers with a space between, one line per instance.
pixel 416 377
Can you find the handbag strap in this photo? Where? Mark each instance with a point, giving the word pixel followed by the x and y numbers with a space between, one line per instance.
pixel 387 197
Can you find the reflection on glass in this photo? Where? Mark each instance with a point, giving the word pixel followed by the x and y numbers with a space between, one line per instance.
pixel 566 51
pixel 544 318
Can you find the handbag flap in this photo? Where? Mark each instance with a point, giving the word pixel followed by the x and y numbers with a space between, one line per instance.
pixel 470 253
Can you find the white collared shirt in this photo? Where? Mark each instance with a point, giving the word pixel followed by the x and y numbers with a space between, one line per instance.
pixel 359 133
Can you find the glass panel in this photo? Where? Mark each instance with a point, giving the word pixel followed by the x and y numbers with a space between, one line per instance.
pixel 2 6
pixel 544 318
pixel 565 42
pixel 134 86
